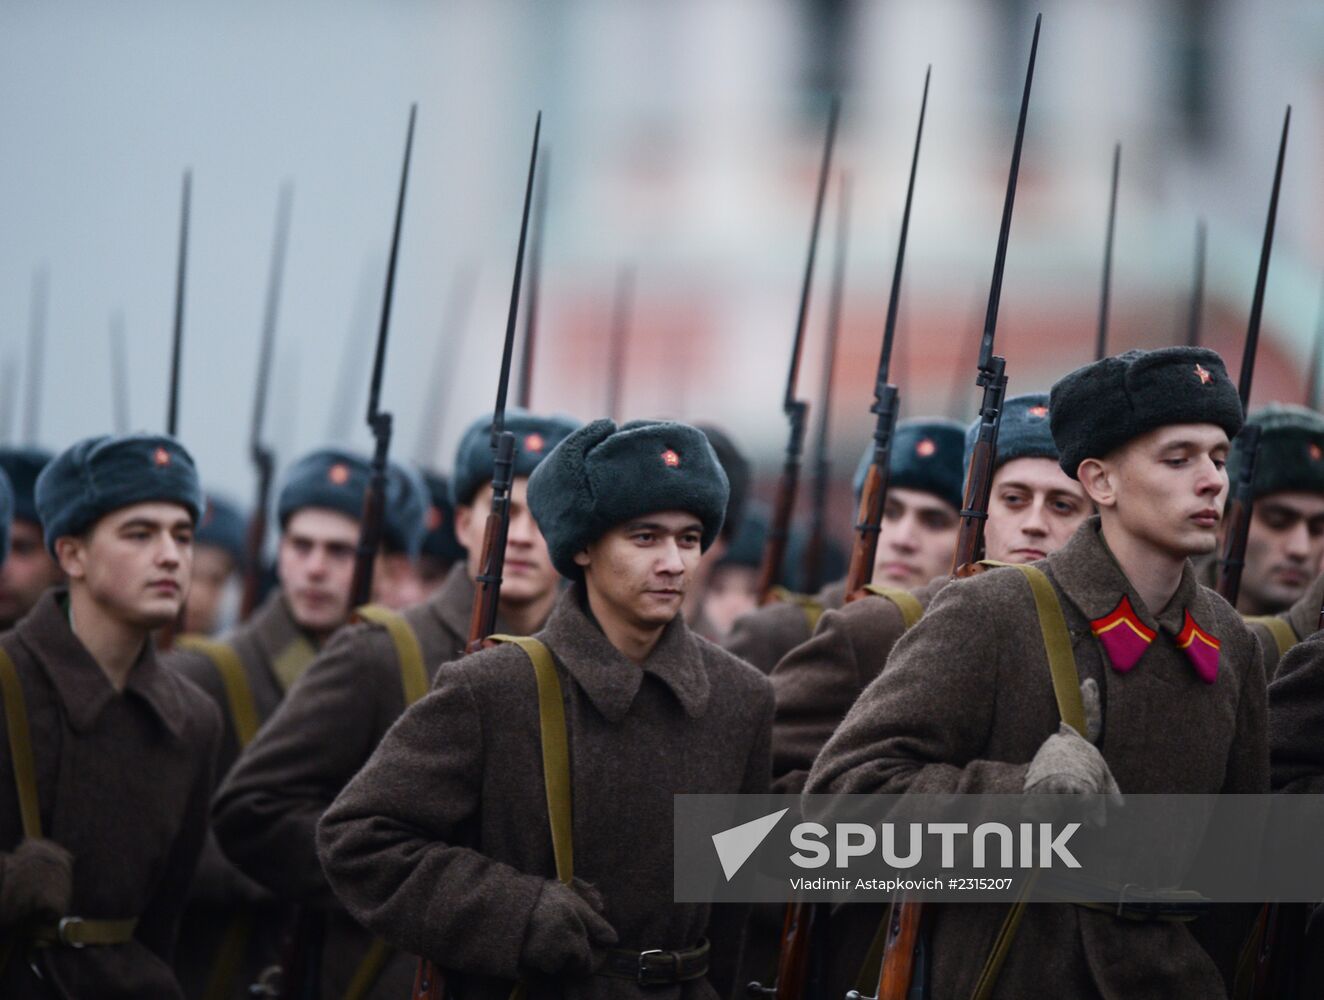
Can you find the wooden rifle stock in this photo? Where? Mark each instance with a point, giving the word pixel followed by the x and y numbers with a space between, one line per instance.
pixel 865 549
pixel 370 524
pixel 978 488
pixel 793 957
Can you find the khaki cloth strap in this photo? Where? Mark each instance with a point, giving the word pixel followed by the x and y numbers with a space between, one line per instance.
pixel 369 968
pixel 292 661
pixel 1283 633
pixel 20 747
pixel 408 652
pixel 906 602
pixel 555 760
pixel 1071 707
pixel 238 692
pixel 78 933
pixel 811 606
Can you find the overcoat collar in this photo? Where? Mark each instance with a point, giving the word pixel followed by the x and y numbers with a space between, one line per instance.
pixel 1089 575
pixel 285 646
pixel 82 686
pixel 453 601
pixel 607 676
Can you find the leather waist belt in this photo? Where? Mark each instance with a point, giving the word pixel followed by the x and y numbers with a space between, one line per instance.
pixel 75 932
pixel 1133 902
pixel 657 967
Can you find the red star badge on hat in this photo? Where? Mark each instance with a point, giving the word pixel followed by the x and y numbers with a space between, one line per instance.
pixel 925 448
pixel 1315 452
pixel 670 459
pixel 534 442
pixel 161 457
pixel 434 518
pixel 1203 375
pixel 1038 411
pixel 338 474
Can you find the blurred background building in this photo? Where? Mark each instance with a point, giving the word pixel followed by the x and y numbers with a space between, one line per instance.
pixel 682 140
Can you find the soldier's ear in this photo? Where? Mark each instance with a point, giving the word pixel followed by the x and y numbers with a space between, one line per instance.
pixel 1097 479
pixel 69 551
pixel 581 558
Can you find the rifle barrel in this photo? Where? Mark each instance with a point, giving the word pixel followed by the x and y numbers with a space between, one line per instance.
pixel 177 337
pixel 1101 343
pixel 1316 358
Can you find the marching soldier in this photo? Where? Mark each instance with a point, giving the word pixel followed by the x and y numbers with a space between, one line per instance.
pixel 733 585
pixel 229 925
pixel 1281 585
pixel 441 843
pixel 736 466
pixel 267 811
pixel 105 813
pixel 30 569
pixel 218 556
pixel 915 544
pixel 1175 675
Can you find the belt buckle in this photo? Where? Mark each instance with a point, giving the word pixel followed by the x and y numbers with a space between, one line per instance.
pixel 63 928
pixel 643 976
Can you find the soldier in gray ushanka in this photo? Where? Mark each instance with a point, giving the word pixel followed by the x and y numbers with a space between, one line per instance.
pixel 249 670
pixel 103 810
pixel 30 569
pixel 967 702
pixel 915 542
pixel 442 843
pixel 324 731
pixel 1281 586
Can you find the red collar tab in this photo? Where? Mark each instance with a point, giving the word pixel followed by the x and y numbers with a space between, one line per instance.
pixel 1123 636
pixel 1201 648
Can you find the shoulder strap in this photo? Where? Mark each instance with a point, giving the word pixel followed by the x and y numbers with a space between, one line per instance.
pixel 238 692
pixel 20 746
pixel 408 652
pixel 906 602
pixel 292 661
pixel 1283 633
pixel 811 606
pixel 555 750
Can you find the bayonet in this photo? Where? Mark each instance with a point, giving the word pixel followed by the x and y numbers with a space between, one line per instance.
pixel 1101 342
pixel 177 338
pixel 525 394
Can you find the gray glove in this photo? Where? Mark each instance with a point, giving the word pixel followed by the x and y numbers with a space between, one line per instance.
pixel 1089 696
pixel 36 882
pixel 1069 764
pixel 565 928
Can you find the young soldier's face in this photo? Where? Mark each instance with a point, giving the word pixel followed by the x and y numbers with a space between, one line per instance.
pixel 134 563
pixel 212 568
pixel 528 575
pixel 731 592
pixel 1034 508
pixel 315 564
pixel 917 540
pixel 1283 551
pixel 639 571
pixel 26 573
pixel 1165 489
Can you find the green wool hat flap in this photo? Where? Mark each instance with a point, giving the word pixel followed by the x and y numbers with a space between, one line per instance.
pixel 1096 409
pixel 23 466
pixel 927 455
pixel 535 437
pixel 603 475
pixel 6 514
pixel 98 475
pixel 1023 432
pixel 223 526
pixel 334 479
pixel 1291 451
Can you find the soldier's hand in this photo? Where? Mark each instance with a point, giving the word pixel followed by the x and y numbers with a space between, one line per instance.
pixel 36 882
pixel 564 930
pixel 1068 764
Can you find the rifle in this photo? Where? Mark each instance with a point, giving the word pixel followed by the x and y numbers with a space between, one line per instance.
pixel 119 374
pixel 428 983
pixel 379 422
pixel 620 333
pixel 812 565
pixel 796 410
pixel 886 402
pixel 907 917
pixel 1239 507
pixel 36 344
pixel 177 338
pixel 260 454
pixel 1197 290
pixel 1101 342
pixel 444 365
pixel 1316 358
pixel 525 393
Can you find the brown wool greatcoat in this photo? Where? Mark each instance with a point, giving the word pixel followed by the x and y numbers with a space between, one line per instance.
pixel 1303 616
pixel 966 701
pixel 441 842
pixel 273 651
pixel 123 780
pixel 1296 719
pixel 763 636
pixel 328 726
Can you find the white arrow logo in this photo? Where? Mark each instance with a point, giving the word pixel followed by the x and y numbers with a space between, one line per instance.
pixel 734 846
